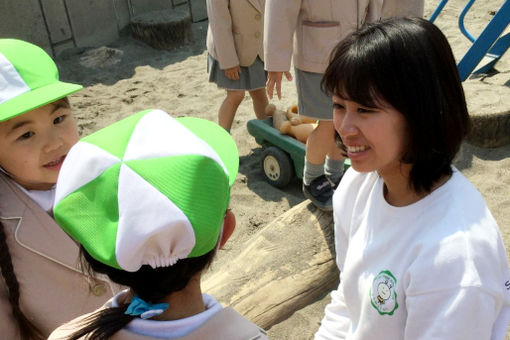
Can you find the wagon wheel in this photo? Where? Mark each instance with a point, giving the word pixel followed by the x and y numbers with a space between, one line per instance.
pixel 277 166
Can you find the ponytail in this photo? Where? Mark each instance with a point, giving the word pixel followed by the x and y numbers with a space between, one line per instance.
pixel 28 330
pixel 103 324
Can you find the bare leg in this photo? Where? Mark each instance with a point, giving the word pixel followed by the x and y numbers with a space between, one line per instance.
pixel 321 143
pixel 260 101
pixel 228 108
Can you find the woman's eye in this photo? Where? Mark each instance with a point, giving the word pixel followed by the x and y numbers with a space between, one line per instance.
pixel 59 119
pixel 337 106
pixel 365 110
pixel 26 135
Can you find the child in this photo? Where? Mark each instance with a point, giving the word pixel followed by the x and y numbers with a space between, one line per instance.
pixel 41 286
pixel 307 31
pixel 420 255
pixel 147 199
pixel 235 60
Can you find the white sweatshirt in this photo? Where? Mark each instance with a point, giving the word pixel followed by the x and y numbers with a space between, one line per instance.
pixel 435 269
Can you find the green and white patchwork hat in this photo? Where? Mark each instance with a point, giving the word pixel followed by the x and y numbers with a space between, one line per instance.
pixel 147 190
pixel 28 79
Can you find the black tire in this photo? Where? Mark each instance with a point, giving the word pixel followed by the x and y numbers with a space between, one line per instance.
pixel 277 167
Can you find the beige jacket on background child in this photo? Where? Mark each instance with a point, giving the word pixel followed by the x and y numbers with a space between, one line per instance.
pixel 237 33
pixel 318 26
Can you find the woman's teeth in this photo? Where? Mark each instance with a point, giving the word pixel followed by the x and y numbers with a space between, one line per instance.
pixel 355 149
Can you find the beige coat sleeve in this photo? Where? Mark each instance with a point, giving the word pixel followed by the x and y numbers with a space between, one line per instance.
pixel 281 19
pixel 220 40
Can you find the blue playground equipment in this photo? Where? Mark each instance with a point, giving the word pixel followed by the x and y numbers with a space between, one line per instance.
pixel 488 48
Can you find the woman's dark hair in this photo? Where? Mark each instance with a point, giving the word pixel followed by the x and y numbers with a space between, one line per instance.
pixel 28 330
pixel 408 63
pixel 150 284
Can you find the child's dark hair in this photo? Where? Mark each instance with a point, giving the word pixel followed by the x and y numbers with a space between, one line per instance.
pixel 28 330
pixel 408 63
pixel 148 283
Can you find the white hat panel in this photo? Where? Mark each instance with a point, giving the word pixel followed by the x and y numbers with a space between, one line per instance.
pixel 152 140
pixel 160 242
pixel 84 163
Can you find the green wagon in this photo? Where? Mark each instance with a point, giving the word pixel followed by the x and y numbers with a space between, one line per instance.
pixel 283 157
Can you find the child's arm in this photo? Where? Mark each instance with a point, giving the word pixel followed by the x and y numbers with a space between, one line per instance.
pixel 220 24
pixel 279 25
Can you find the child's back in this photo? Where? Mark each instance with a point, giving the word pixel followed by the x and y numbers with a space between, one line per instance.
pixel 150 211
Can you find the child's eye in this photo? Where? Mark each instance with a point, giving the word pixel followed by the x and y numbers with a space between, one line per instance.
pixel 26 135
pixel 59 119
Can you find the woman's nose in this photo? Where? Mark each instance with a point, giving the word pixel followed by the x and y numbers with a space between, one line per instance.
pixel 346 124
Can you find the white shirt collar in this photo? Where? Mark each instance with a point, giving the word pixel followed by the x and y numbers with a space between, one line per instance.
pixel 175 328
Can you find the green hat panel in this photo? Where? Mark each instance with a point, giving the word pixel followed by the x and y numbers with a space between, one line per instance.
pixel 172 190
pixel 115 138
pixel 90 216
pixel 198 186
pixel 28 79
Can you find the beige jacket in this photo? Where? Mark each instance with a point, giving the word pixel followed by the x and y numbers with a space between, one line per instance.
pixel 52 290
pixel 235 32
pixel 227 324
pixel 308 30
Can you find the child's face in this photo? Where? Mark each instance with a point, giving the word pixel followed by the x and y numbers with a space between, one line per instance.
pixel 33 145
pixel 374 137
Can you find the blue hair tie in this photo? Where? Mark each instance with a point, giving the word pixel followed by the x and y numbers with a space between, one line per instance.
pixel 144 309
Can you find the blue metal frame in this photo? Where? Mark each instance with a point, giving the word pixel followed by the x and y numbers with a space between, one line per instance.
pixel 488 44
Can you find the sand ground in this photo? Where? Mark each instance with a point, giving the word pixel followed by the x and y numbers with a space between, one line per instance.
pixel 137 77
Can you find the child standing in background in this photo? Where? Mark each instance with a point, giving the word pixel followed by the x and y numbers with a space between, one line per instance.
pixel 41 286
pixel 150 210
pixel 235 60
pixel 306 32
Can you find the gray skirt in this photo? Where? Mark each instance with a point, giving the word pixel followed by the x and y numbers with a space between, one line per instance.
pixel 312 102
pixel 251 78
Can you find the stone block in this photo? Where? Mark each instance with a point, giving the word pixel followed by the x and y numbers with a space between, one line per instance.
pixel 24 20
pixel 198 10
pixel 57 21
pixel 93 21
pixel 144 6
pixel 123 13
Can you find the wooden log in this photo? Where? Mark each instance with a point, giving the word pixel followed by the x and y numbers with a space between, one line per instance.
pixel 285 267
pixel 162 29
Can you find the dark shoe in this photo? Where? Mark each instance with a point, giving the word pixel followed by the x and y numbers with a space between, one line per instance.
pixel 334 184
pixel 320 192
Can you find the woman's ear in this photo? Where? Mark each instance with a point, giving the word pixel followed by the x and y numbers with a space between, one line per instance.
pixel 229 224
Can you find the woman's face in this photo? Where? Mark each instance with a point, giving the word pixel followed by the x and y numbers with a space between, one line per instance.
pixel 34 145
pixel 374 137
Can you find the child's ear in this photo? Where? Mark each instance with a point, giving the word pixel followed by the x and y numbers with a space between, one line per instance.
pixel 229 224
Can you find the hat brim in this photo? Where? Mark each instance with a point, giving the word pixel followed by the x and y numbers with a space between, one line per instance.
pixel 219 139
pixel 36 98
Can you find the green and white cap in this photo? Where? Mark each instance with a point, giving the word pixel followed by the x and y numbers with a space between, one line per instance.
pixel 28 79
pixel 147 190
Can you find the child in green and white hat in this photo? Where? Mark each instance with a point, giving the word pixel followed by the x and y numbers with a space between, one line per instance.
pixel 37 259
pixel 147 199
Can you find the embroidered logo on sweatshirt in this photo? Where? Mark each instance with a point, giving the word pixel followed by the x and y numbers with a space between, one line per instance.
pixel 383 294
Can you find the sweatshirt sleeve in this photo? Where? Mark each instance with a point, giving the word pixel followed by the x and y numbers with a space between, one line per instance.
pixel 279 25
pixel 336 321
pixel 220 24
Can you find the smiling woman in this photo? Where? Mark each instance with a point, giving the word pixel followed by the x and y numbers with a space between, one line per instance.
pixel 420 254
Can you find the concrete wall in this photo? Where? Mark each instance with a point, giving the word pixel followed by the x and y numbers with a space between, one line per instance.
pixel 59 24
